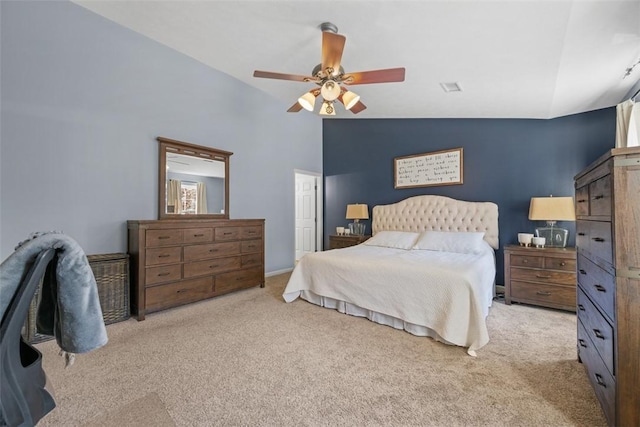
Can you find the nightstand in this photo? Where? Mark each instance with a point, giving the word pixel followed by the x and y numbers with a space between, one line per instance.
pixel 337 242
pixel 540 276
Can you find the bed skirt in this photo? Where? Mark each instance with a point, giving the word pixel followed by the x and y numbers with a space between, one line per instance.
pixel 382 319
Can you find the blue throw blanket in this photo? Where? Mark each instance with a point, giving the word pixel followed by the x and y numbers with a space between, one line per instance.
pixel 70 306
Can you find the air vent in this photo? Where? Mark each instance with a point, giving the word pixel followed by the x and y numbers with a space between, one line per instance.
pixel 451 87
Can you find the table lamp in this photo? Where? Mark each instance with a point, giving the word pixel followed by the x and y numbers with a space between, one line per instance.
pixel 552 209
pixel 357 212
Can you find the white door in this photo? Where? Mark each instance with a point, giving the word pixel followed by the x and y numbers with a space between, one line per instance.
pixel 306 214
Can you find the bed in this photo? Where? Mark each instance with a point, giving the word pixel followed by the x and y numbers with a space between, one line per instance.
pixel 428 269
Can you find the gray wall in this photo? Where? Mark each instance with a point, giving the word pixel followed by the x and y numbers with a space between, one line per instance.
pixel 83 100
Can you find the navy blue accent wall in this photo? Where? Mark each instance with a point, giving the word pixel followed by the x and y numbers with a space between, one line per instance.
pixel 506 161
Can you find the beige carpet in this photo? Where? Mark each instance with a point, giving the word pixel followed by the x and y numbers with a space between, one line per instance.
pixel 146 411
pixel 249 359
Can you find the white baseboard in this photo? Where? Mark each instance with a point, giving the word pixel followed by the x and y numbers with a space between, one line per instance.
pixel 275 273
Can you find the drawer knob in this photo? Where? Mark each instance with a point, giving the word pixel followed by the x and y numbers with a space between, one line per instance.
pixel 598 334
pixel 227 233
pixel 581 234
pixel 563 263
pixel 544 293
pixel 600 381
pixel 164 256
pixel 214 266
pixel 542 276
pixel 164 237
pixel 198 235
pixel 582 343
pixel 600 288
pixel 598 197
pixel 213 250
pixel 580 307
pixel 582 200
pixel 524 261
pixel 163 274
pixel 582 271
pixel 597 239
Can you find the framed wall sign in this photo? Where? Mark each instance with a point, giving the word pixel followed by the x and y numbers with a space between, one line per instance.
pixel 428 169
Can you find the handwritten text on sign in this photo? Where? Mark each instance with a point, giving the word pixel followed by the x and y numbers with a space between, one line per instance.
pixel 421 170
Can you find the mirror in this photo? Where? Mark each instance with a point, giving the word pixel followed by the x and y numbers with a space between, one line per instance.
pixel 193 181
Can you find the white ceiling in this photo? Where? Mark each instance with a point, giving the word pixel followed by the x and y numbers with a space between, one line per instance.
pixel 513 59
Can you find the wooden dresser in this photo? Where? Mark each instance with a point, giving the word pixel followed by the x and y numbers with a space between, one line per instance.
pixel 175 262
pixel 337 242
pixel 540 276
pixel 608 241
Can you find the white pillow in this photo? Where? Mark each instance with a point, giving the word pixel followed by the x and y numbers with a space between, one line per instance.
pixel 393 239
pixel 465 242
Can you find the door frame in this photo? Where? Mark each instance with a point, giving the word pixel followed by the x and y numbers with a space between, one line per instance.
pixel 319 207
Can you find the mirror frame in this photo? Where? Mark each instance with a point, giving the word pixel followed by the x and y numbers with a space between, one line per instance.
pixel 184 148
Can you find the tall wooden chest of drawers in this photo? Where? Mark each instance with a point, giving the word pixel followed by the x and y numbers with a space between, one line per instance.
pixel 175 262
pixel 608 242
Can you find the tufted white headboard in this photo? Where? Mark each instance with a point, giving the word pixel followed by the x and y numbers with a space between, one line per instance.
pixel 439 213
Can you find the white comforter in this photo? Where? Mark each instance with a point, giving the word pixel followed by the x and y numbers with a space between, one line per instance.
pixel 442 292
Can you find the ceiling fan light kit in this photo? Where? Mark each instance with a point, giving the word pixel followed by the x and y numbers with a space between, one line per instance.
pixel 329 74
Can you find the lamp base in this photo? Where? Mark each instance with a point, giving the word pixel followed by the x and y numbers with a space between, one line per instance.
pixel 554 237
pixel 357 228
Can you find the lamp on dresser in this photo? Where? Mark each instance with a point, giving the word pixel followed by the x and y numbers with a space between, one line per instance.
pixel 356 212
pixel 552 209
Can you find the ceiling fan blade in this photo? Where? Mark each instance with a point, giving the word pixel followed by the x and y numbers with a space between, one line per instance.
pixel 358 107
pixel 332 47
pixel 375 76
pixel 282 76
pixel 294 108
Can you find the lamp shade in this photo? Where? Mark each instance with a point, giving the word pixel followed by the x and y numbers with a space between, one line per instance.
pixel 330 90
pixel 327 109
pixel 358 211
pixel 350 99
pixel 307 101
pixel 552 209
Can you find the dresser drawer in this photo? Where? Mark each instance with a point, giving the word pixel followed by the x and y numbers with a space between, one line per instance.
pixel 214 250
pixel 173 294
pixel 251 260
pixel 597 329
pixel 582 201
pixel 163 237
pixel 164 273
pixel 227 233
pixel 599 285
pixel 198 235
pixel 251 246
pixel 254 232
pixel 226 282
pixel 600 197
pixel 544 294
pixel 169 255
pixel 601 380
pixel 544 276
pixel 211 266
pixel 527 261
pixel 595 238
pixel 600 243
pixel 566 264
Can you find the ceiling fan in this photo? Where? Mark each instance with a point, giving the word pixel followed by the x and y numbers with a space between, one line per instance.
pixel 329 75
